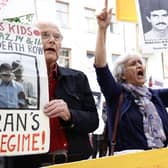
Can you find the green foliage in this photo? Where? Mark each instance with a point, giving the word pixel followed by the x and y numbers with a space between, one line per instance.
pixel 16 19
pixel 25 19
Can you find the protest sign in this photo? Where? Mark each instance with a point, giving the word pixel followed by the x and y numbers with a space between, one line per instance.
pixel 3 4
pixel 153 24
pixel 16 8
pixel 24 129
pixel 156 158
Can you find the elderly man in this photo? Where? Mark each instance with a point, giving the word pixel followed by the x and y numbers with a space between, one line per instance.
pixel 71 108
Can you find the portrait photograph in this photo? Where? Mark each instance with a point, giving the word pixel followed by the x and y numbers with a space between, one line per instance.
pixel 154 19
pixel 18 82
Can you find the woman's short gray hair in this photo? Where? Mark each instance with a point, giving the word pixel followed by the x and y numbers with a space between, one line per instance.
pixel 119 66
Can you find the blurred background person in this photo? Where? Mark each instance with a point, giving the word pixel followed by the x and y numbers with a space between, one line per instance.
pixel 100 147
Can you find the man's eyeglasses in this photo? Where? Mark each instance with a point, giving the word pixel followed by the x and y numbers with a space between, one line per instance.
pixel 47 36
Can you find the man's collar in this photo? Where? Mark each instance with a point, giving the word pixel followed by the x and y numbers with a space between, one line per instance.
pixel 3 83
pixel 53 73
pixel 60 71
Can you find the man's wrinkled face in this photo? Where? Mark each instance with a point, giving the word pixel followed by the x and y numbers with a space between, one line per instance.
pixel 51 40
pixel 158 19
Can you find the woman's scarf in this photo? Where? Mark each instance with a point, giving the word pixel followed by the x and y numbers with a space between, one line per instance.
pixel 152 123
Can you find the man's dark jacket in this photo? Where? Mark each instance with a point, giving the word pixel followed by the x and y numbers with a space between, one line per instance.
pixel 74 88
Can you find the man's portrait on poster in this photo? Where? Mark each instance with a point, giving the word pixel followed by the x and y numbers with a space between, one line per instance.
pixel 154 16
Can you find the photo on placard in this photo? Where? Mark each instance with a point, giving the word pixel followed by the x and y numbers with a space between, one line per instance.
pixel 154 18
pixel 18 82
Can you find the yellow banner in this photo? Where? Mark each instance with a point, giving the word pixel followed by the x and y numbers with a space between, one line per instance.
pixel 126 10
pixel 157 158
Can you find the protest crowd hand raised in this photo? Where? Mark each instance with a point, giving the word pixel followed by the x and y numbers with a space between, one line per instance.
pixel 103 21
pixel 104 17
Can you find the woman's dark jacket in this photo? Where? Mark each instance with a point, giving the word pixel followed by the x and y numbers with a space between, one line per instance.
pixel 130 133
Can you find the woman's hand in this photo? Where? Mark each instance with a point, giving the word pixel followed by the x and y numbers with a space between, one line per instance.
pixel 104 18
